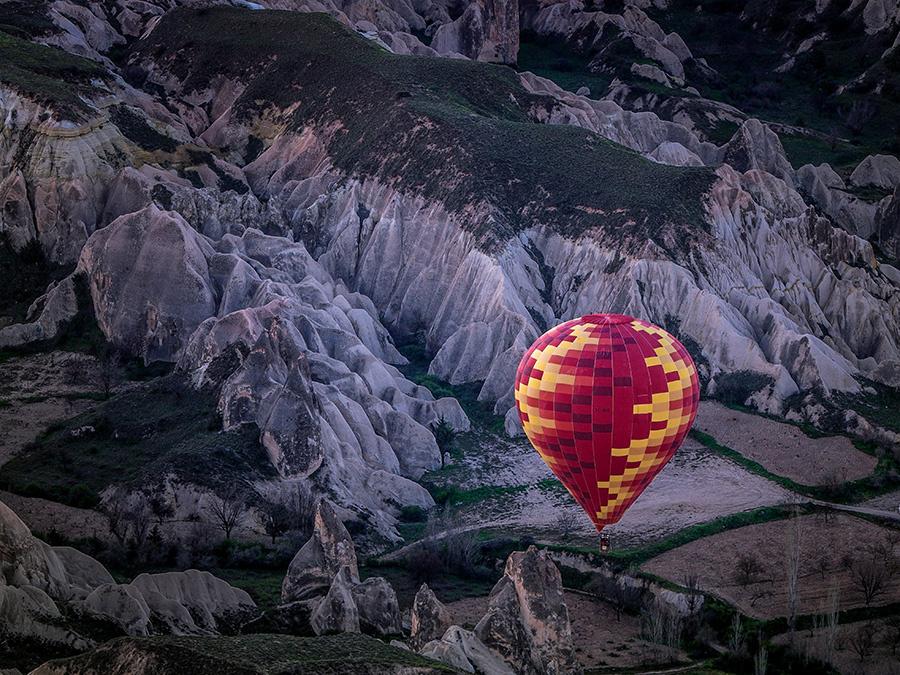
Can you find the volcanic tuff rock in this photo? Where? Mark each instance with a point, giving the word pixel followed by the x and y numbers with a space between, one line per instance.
pixel 337 611
pixel 286 348
pixel 327 551
pixel 430 618
pixel 877 170
pixel 461 649
pixel 503 275
pixel 379 609
pixel 487 30
pixel 38 581
pixel 527 620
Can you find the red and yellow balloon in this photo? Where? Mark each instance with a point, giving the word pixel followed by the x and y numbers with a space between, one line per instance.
pixel 606 400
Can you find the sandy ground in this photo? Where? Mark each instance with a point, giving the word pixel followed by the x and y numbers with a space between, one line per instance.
pixel 600 640
pixel 783 448
pixel 696 486
pixel 37 391
pixel 836 541
pixel 42 516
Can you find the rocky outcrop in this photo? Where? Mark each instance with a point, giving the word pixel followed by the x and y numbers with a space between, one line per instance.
pixel 888 229
pixel 378 607
pixel 286 347
pixel 461 649
pixel 42 588
pixel 329 550
pixel 882 171
pixel 322 588
pixel 487 30
pixel 121 604
pixel 827 190
pixel 527 620
pixel 430 619
pixel 28 561
pixel 337 611
pixel 214 605
pixel 755 146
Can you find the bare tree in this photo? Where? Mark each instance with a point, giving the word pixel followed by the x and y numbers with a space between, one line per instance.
pixel 748 569
pixel 793 560
pixel 822 561
pixel 300 503
pixel 830 629
pixel 114 507
pixel 138 517
pixel 736 635
pixel 128 516
pixel 566 524
pixel 228 511
pixel 862 642
pixel 761 660
pixel 107 372
pixel 661 624
pixel 869 576
pixel 160 507
pixel 276 519
pixel 694 596
pixel 622 597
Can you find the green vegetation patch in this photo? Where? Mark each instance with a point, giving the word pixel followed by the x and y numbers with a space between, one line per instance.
pixel 457 131
pixel 46 74
pixel 560 64
pixel 27 275
pixel 158 428
pixel 745 43
pixel 25 18
pixel 252 654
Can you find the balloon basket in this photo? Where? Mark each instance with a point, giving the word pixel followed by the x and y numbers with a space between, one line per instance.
pixel 604 543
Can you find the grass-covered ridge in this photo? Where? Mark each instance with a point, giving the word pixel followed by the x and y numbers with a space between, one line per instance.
pixel 137 437
pixel 458 131
pixel 264 654
pixel 46 74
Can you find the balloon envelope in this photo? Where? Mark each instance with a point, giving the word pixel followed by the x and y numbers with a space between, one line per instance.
pixel 606 400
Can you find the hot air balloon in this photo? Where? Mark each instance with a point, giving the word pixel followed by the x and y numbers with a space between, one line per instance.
pixel 606 400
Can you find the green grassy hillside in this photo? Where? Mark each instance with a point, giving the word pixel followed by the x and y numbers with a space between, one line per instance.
pixel 458 131
pixel 346 654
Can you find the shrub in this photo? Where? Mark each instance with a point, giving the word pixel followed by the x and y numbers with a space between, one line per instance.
pixel 413 514
pixel 735 388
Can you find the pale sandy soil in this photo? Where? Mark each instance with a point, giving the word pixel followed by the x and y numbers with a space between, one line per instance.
pixel 783 448
pixel 600 640
pixel 42 516
pixel 695 486
pixel 715 559
pixel 882 661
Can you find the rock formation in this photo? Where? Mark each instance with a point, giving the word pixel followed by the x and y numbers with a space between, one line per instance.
pixel 322 593
pixel 487 30
pixel 430 618
pixel 38 582
pixel 328 551
pixel 527 620
pixel 462 650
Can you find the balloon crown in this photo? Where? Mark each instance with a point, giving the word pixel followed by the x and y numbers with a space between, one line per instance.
pixel 607 319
